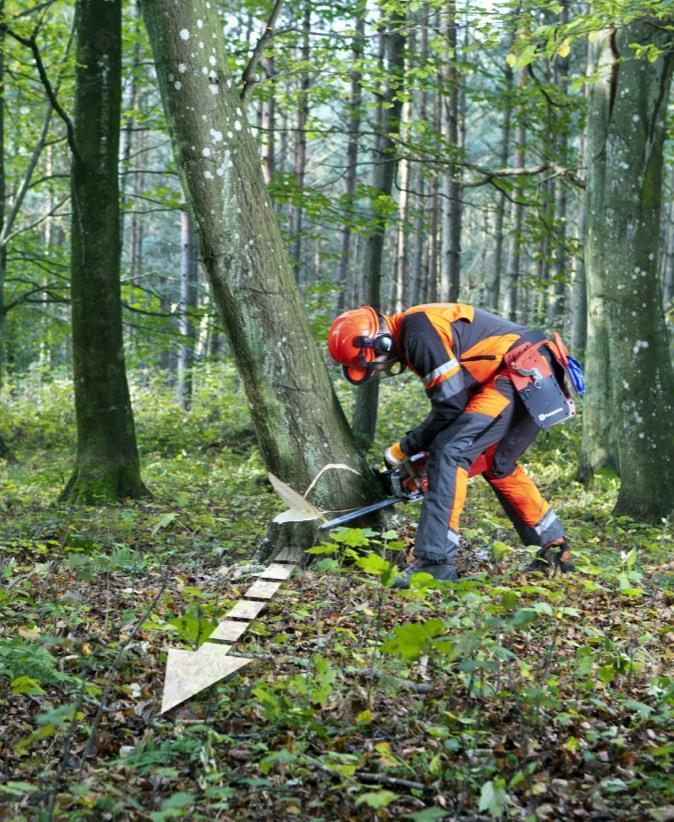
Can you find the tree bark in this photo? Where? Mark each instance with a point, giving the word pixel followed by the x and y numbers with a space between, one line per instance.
pixel 300 165
pixel 494 296
pixel 515 257
pixel 355 104
pixel 452 189
pixel 626 130
pixel 389 110
pixel 557 308
pixel 268 137
pixel 299 423
pixel 668 252
pixel 578 287
pixel 3 194
pixel 598 449
pixel 107 467
pixel 189 256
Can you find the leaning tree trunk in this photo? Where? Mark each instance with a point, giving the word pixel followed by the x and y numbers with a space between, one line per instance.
pixel 107 467
pixel 626 124
pixel 299 423
pixel 365 410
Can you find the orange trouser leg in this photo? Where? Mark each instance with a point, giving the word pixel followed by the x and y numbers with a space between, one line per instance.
pixel 532 516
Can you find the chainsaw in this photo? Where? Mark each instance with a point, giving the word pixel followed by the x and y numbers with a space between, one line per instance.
pixel 407 482
pixel 404 483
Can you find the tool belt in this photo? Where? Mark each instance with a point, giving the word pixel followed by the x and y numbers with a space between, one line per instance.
pixel 537 370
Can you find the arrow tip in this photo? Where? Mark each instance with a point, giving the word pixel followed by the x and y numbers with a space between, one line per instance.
pixel 189 672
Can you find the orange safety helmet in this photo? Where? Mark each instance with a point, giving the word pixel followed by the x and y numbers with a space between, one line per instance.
pixel 354 340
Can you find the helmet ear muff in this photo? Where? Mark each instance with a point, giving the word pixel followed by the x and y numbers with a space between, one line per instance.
pixel 381 344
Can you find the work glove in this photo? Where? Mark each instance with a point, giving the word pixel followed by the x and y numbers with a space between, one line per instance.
pixel 394 455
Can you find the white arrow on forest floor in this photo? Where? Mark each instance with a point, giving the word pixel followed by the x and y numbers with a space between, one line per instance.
pixel 188 672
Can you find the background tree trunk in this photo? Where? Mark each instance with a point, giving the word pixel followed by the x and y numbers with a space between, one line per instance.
pixel 300 165
pixel 667 266
pixel 299 422
pixel 354 116
pixel 3 195
pixel 390 105
pixel 516 242
pixel 107 467
pixel 632 369
pixel 189 258
pixel 450 279
pixel 494 296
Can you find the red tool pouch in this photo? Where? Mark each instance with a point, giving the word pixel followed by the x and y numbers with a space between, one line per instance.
pixel 533 376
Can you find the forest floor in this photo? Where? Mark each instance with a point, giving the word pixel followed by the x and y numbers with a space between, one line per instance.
pixel 507 695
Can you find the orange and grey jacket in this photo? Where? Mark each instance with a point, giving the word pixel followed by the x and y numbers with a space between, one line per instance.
pixel 454 348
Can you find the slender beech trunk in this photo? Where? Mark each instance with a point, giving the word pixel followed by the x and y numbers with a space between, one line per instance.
pixel 667 267
pixel 401 261
pixel 452 189
pixel 599 449
pixel 268 136
pixel 547 194
pixel 494 298
pixel 578 289
pixel 3 194
pixel 299 423
pixel 107 467
pixel 354 116
pixel 389 110
pixel 632 369
pixel 4 449
pixel 189 256
pixel 415 280
pixel 557 310
pixel 300 165
pixel 517 240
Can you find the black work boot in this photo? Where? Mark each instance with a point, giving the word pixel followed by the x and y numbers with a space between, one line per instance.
pixel 442 571
pixel 552 559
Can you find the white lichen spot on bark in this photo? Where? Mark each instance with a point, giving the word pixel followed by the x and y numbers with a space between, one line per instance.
pixel 182 68
pixel 184 34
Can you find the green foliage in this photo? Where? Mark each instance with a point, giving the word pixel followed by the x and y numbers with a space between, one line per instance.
pixel 19 658
pixel 291 701
pixel 411 640
pixel 493 798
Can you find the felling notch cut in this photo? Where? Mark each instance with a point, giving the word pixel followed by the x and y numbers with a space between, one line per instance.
pixel 190 672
